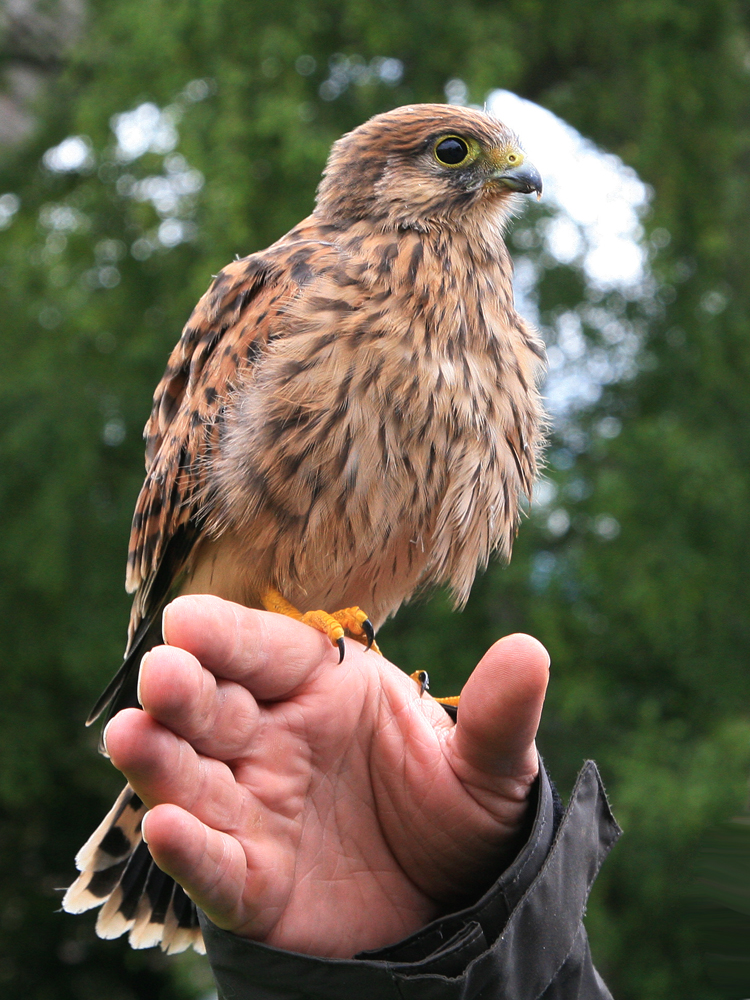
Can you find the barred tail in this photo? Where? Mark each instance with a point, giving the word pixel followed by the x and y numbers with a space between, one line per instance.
pixel 118 874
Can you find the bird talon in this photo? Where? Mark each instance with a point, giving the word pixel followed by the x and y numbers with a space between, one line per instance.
pixel 321 621
pixel 358 625
pixel 422 678
pixel 369 633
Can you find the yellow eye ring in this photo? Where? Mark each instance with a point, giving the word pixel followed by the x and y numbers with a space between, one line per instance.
pixel 452 151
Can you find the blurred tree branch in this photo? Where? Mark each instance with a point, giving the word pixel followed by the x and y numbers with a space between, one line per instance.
pixel 34 37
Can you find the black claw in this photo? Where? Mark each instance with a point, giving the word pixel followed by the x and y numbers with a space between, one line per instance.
pixel 423 679
pixel 342 648
pixel 369 632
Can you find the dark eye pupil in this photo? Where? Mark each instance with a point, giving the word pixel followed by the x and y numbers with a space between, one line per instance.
pixel 451 150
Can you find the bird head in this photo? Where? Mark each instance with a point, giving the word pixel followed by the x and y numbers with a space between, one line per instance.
pixel 425 166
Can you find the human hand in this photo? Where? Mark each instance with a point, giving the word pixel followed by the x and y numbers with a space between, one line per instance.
pixel 324 808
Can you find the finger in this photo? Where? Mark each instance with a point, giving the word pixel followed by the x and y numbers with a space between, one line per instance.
pixel 217 717
pixel 501 705
pixel 210 866
pixel 270 654
pixel 161 768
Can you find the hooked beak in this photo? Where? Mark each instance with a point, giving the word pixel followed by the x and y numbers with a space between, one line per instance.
pixel 524 178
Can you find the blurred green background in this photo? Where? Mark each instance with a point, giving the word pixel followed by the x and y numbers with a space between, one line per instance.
pixel 633 567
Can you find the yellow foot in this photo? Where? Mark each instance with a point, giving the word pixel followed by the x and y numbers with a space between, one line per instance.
pixel 358 625
pixel 451 702
pixel 353 620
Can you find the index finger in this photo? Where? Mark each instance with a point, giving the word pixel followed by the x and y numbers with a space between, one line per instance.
pixel 269 654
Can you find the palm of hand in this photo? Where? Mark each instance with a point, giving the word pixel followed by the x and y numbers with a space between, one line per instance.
pixel 322 808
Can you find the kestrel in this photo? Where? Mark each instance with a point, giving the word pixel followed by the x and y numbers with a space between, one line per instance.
pixel 348 416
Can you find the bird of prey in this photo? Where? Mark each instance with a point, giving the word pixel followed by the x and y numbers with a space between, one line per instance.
pixel 349 415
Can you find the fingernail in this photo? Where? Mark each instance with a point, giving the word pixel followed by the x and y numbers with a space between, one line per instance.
pixel 165 622
pixel 140 674
pixel 104 737
pixel 143 830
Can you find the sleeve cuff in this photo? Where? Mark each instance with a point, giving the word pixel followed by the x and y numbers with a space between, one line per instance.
pixel 524 934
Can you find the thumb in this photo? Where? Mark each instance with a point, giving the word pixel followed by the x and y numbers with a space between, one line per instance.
pixel 501 705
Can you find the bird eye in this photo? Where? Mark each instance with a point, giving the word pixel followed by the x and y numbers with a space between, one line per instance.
pixel 451 151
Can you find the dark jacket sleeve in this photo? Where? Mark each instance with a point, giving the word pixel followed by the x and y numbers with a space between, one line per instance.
pixel 523 940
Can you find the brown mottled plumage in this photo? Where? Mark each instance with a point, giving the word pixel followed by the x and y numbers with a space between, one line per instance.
pixel 349 415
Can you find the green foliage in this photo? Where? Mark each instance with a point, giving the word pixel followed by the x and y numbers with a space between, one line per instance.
pixel 648 628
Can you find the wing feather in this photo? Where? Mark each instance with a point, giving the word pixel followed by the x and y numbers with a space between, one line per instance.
pixel 225 337
pixel 222 344
pixel 222 333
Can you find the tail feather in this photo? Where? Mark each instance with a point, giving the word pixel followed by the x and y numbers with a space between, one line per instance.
pixel 116 836
pixel 153 906
pixel 181 927
pixel 136 897
pixel 117 871
pixel 159 890
pixel 117 915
